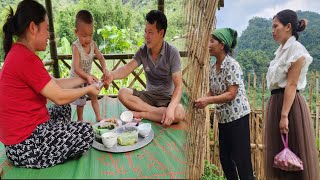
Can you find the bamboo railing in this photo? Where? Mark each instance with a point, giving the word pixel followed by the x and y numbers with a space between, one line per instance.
pixel 121 60
pixel 257 120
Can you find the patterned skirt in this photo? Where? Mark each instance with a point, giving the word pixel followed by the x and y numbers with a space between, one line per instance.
pixel 52 142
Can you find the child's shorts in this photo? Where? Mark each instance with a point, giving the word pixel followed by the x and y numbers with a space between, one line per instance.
pixel 82 100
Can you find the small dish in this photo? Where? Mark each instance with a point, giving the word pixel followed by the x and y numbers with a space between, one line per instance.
pixel 109 139
pixel 126 116
pixel 103 127
pixel 144 129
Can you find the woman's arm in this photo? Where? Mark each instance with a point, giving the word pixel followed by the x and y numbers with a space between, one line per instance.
pixel 62 96
pixel 168 117
pixel 290 93
pixel 69 83
pixel 228 96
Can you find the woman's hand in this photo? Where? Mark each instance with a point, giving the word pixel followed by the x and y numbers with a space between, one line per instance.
pixel 201 103
pixel 93 90
pixel 284 125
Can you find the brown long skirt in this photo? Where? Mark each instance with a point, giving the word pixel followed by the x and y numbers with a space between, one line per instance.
pixel 301 139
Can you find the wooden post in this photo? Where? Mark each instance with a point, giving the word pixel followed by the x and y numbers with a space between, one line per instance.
pixel 53 47
pixel 161 5
pixel 310 92
pixel 248 90
pixel 254 92
pixel 317 107
pixel 263 81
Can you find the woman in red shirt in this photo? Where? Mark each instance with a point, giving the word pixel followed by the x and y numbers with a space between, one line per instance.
pixel 34 136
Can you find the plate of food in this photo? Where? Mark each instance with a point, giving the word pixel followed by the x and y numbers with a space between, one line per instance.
pixel 124 138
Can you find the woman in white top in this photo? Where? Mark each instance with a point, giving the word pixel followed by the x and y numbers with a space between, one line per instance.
pixel 227 91
pixel 287 111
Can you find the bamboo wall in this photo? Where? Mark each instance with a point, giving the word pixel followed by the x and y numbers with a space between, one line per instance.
pixel 257 119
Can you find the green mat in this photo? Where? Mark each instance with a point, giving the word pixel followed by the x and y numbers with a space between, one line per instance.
pixel 163 158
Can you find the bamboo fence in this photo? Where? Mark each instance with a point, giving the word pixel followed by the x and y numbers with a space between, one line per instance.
pixel 257 119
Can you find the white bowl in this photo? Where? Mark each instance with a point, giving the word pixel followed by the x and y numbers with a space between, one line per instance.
pixel 144 129
pixel 126 116
pixel 109 139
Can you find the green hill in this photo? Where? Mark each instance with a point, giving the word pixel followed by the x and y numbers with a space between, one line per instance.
pixel 256 46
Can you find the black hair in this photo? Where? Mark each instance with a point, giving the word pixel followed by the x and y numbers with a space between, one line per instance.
pixel 288 16
pixel 158 17
pixel 84 16
pixel 16 24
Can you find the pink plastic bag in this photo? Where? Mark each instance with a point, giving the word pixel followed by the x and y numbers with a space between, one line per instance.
pixel 286 159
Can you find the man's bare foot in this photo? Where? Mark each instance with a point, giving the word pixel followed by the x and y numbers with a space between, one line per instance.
pixel 137 115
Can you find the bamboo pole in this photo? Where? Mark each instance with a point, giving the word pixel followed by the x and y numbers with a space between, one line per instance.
pixel 199 17
pixel 310 92
pixel 317 107
pixel 263 86
pixel 248 90
pixel 310 96
pixel 254 92
pixel 207 128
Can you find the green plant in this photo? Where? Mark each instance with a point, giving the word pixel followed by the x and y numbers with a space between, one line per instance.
pixel 115 40
pixel 211 134
pixel 210 172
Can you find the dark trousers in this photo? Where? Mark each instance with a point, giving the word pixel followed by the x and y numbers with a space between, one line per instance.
pixel 235 155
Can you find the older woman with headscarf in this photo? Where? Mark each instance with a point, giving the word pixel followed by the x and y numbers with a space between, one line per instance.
pixel 227 91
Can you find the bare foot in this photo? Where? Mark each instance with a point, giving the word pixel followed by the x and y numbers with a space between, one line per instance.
pixel 137 115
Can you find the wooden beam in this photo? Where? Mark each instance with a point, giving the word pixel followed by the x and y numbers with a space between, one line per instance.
pixel 53 47
pixel 114 56
pixel 161 5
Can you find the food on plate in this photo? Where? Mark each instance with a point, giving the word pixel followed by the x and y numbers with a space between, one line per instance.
pixel 103 127
pixel 108 126
pixel 128 136
pixel 112 120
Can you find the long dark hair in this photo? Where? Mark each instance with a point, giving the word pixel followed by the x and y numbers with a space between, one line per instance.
pixel 288 16
pixel 16 24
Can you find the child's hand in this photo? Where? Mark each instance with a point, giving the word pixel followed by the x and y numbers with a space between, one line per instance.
pixel 91 79
pixel 95 78
pixel 105 72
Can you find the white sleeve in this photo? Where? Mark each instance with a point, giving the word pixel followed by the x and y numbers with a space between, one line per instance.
pixel 298 52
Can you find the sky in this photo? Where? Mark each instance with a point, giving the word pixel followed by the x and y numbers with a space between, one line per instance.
pixel 237 13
